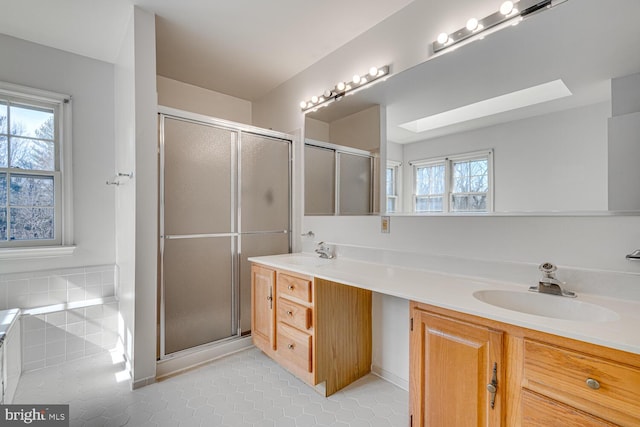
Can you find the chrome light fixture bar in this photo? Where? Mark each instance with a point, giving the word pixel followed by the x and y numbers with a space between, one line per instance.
pixel 345 88
pixel 510 13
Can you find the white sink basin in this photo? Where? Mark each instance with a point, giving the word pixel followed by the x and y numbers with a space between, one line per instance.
pixel 553 306
pixel 310 261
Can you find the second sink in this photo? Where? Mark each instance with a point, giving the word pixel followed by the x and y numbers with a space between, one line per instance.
pixel 547 305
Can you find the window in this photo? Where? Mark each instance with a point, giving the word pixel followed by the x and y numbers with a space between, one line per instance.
pixel 393 186
pixel 460 183
pixel 31 187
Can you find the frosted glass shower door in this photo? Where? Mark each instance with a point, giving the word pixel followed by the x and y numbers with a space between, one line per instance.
pixel 197 240
pixel 264 207
pixel 354 184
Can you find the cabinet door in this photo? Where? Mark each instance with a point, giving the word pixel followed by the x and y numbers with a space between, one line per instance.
pixel 263 307
pixel 452 362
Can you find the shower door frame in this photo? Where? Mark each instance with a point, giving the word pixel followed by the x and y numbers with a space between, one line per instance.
pixel 236 246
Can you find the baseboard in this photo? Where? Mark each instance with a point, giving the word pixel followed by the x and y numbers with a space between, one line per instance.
pixel 200 356
pixel 390 377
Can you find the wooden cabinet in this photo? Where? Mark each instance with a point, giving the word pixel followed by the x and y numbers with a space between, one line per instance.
pixel 542 379
pixel 317 329
pixel 456 372
pixel 263 320
pixel 601 387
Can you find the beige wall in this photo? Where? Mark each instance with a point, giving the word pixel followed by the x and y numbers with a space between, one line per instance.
pixel 360 130
pixel 316 129
pixel 183 96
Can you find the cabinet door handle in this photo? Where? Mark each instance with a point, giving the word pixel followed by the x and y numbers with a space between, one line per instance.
pixel 290 287
pixel 492 387
pixel 290 313
pixel 290 346
pixel 270 298
pixel 594 384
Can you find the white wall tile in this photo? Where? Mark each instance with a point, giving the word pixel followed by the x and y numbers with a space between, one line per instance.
pixel 34 338
pixel 39 284
pixel 56 319
pixel 55 334
pixel 55 349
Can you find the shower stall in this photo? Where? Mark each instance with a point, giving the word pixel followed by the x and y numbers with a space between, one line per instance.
pixel 225 195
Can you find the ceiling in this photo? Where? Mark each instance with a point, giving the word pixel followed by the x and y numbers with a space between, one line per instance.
pixel 243 48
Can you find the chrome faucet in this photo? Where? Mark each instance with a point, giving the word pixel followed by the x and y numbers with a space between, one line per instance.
pixel 325 251
pixel 549 284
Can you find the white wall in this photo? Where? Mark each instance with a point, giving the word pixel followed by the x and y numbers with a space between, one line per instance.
pixel 551 162
pixel 146 235
pixel 137 233
pixel 91 84
pixel 125 129
pixel 624 143
pixel 183 96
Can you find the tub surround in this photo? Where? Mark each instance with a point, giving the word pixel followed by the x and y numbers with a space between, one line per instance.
pixel 7 320
pixel 10 354
pixel 66 313
pixel 455 292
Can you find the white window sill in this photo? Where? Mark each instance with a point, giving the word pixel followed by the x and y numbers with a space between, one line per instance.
pixel 36 252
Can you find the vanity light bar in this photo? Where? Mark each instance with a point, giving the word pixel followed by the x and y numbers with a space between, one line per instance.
pixel 345 88
pixel 510 13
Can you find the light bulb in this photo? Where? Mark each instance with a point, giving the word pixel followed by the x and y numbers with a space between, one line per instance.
pixel 314 99
pixel 328 93
pixel 373 71
pixel 356 79
pixel 506 8
pixel 303 104
pixel 443 38
pixel 472 24
pixel 363 80
pixel 341 86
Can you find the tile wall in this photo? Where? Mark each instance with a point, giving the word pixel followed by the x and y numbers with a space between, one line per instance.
pixel 62 335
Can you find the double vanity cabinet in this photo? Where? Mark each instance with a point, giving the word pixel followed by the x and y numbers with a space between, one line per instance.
pixel 464 370
pixel 471 371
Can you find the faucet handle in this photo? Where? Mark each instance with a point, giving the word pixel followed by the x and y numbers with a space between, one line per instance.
pixel 548 269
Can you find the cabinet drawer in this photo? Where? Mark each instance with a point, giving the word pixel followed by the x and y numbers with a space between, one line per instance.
pixel 568 376
pixel 295 346
pixel 539 411
pixel 294 286
pixel 294 314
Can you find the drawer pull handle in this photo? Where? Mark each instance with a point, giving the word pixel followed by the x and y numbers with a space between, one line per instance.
pixel 492 387
pixel 594 384
pixel 290 287
pixel 290 313
pixel 290 346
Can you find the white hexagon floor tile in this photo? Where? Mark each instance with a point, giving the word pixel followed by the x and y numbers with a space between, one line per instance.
pixel 244 389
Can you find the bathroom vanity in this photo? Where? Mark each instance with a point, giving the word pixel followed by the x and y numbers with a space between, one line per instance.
pixel 470 361
pixel 318 329
pixel 480 372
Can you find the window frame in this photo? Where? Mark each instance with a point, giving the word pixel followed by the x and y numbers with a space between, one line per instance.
pixel 61 244
pixel 397 186
pixel 447 197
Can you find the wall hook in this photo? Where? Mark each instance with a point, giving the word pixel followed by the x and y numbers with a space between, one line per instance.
pixel 116 180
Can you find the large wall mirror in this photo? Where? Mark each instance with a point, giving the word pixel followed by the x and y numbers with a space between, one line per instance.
pixel 536 119
pixel 342 162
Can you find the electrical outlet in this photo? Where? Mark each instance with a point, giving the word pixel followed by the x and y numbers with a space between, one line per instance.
pixel 385 224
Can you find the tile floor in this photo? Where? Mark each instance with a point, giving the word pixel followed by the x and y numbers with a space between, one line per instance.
pixel 244 389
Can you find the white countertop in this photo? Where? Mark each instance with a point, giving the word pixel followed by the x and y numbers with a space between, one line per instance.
pixel 456 293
